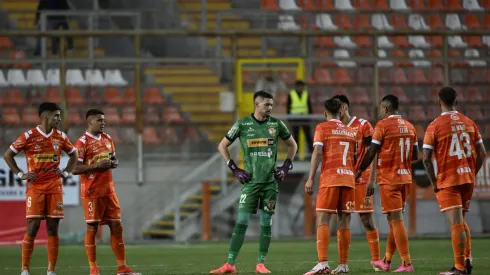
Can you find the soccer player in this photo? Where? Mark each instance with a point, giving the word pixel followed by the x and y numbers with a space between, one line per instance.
pixel 258 134
pixel 96 159
pixel 395 142
pixel 334 147
pixel 365 186
pixel 457 145
pixel 44 195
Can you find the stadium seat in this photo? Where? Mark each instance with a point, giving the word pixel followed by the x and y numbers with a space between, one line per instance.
pixel 307 4
pixel 129 96
pixel 360 96
pixel 435 22
pixel 471 21
pixel 458 76
pixel 94 78
pixel 114 78
pixel 269 5
pixel 364 76
pixel 35 77
pixel 361 111
pixel 473 41
pixel 417 113
pixel 325 4
pixel 30 116
pixel 398 5
pixel 128 135
pixel 341 77
pixel 362 5
pixel 474 112
pixel 397 53
pixel 10 116
pixel 325 41
pixel 13 97
pixel 129 115
pixel 457 63
pixel 171 114
pixel 417 22
pixel 114 136
pixel 434 95
pixel 436 76
pixel 74 77
pixel 74 97
pixel 112 96
pixel 383 62
pixel 287 22
pixel 150 136
pixel 94 96
pixel 473 53
pixel 19 55
pixel 454 5
pixel 3 80
pixel 324 22
pixel 247 78
pixel 343 5
pixel 151 115
pixel 432 4
pixel 52 95
pixel 53 77
pixel 473 95
pixel 343 22
pixel 324 63
pixel 417 77
pixel 112 116
pixel 343 59
pixel 153 96
pixel 398 22
pixel 402 97
pixel 5 43
pixel 361 22
pixel 34 96
pixel 435 54
pixel 192 134
pixel 288 5
pixel 16 78
pixel 322 76
pixel 74 117
pixel 399 77
pixel 169 135
pixel 401 41
pixel 418 54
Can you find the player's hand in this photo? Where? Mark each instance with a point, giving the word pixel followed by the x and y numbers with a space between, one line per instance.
pixel 105 164
pixel 370 187
pixel 281 172
pixel 242 175
pixel 309 187
pixel 29 176
pixel 114 163
pixel 358 175
pixel 434 188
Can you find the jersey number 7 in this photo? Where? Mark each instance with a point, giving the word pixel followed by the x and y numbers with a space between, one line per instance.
pixel 455 149
pixel 346 149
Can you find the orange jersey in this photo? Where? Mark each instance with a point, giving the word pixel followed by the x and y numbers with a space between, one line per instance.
pixel 43 155
pixel 339 142
pixel 363 129
pixel 453 137
pixel 92 149
pixel 397 137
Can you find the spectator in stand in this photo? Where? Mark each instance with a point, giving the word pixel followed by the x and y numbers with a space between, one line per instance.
pixel 270 85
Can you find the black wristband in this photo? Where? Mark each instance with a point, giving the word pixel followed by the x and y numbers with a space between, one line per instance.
pixel 289 164
pixel 232 165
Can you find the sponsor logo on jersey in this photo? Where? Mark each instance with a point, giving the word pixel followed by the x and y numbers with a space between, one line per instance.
pixel 272 131
pixel 403 130
pixel 45 158
pixel 260 142
pixel 247 123
pixel 343 171
pixel 250 129
pixel 100 157
pixel 262 154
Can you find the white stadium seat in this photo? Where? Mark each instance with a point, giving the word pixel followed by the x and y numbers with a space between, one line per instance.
pixel 473 53
pixel 324 22
pixel 453 23
pixel 417 53
pixel 35 77
pixel 286 22
pixel 3 81
pixel 53 77
pixel 114 78
pixel 398 5
pixel 94 78
pixel 342 59
pixel 383 63
pixel 380 22
pixel 343 5
pixel 472 5
pixel 16 78
pixel 74 77
pixel 344 42
pixel 288 5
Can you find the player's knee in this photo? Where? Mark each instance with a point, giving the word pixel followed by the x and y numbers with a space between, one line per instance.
pixel 265 218
pixel 116 227
pixel 93 226
pixel 322 218
pixel 344 221
pixel 243 218
pixel 52 226
pixel 33 227
pixel 395 216
pixel 455 216
pixel 367 221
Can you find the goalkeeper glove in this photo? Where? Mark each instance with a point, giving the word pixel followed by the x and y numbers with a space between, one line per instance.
pixel 281 172
pixel 242 175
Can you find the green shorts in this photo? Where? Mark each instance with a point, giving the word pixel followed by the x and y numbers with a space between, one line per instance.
pixel 258 196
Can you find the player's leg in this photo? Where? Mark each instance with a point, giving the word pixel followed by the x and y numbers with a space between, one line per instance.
pixel 364 206
pixel 247 205
pixel 345 207
pixel 267 207
pixel 326 205
pixel 451 203
pixel 92 210
pixel 466 197
pixel 35 212
pixel 54 213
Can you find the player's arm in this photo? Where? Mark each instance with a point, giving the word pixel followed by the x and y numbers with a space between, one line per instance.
pixel 292 147
pixel 82 168
pixel 316 159
pixel 242 175
pixel 223 149
pixel 481 153
pixel 72 162
pixel 429 167
pixel 368 158
pixel 13 150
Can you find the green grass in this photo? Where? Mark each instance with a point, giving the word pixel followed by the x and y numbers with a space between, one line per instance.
pixel 430 256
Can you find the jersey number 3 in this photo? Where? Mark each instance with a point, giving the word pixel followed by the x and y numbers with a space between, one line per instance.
pixel 455 149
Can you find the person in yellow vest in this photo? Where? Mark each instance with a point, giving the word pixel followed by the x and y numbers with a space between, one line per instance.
pixel 298 104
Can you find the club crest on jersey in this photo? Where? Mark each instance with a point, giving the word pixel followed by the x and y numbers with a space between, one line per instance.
pixel 272 131
pixel 60 205
pixel 454 117
pixel 108 145
pixel 56 144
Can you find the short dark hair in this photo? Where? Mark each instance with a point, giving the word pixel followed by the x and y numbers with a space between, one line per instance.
pixel 93 112
pixel 392 102
pixel 299 82
pixel 448 96
pixel 48 107
pixel 342 99
pixel 263 94
pixel 332 106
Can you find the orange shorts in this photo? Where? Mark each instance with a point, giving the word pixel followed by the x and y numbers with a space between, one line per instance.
pixel 393 197
pixel 40 205
pixel 101 209
pixel 335 199
pixel 363 204
pixel 453 197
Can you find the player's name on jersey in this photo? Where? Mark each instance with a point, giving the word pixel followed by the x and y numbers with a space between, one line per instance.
pixel 339 132
pixel 14 189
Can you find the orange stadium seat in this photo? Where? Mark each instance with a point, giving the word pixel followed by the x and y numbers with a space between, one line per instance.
pixel 474 112
pixel 171 114
pixel 341 77
pixel 399 22
pixel 5 43
pixel 417 4
pixel 150 136
pixel 473 94
pixel 129 96
pixel 399 77
pixel 343 22
pixel 436 76
pixel 269 5
pixel 151 115
pixel 417 77
pixel 486 20
pixel 361 111
pixel 435 53
pixel 112 115
pixel 326 62
pixel 10 116
pixel 436 41
pixel 13 97
pixel 169 135
pixel 326 42
pixel 364 75
pixel 34 96
pixel 362 41
pixel 454 5
pixel 129 115
pixel 361 21
pixel 471 21
pixel 94 96
pixel 361 96
pixel 307 4
pixel 417 113
pixel 19 55
pixel 322 76
pixel 74 117
pixel 74 97
pixel 396 53
pixel 457 76
pixel 473 41
pixel 434 4
pixel 325 4
pixel 192 134
pixel 112 96
pixel 402 97
pixel 153 96
pixel 435 22
pixel 401 41
pixel 52 95
pixel 362 5
pixel 114 136
pixel 476 76
pixel 385 76
pixel 381 5
pixel 340 91
pixel 432 112
pixel 485 4
pixel 29 116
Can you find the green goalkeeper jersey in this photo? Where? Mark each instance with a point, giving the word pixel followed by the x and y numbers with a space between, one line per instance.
pixel 258 140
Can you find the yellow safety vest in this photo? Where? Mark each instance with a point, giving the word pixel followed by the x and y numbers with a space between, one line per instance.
pixel 299 106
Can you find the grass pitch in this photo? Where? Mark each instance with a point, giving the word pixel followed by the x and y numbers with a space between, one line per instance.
pixel 429 256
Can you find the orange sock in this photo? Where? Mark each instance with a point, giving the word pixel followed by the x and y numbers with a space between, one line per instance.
pixel 117 244
pixel 90 247
pixel 344 237
pixel 373 241
pixel 467 252
pixel 322 242
pixel 27 248
pixel 458 237
pixel 53 247
pixel 401 240
pixel 390 245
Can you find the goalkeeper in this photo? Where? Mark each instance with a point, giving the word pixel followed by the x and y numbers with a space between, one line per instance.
pixel 258 134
